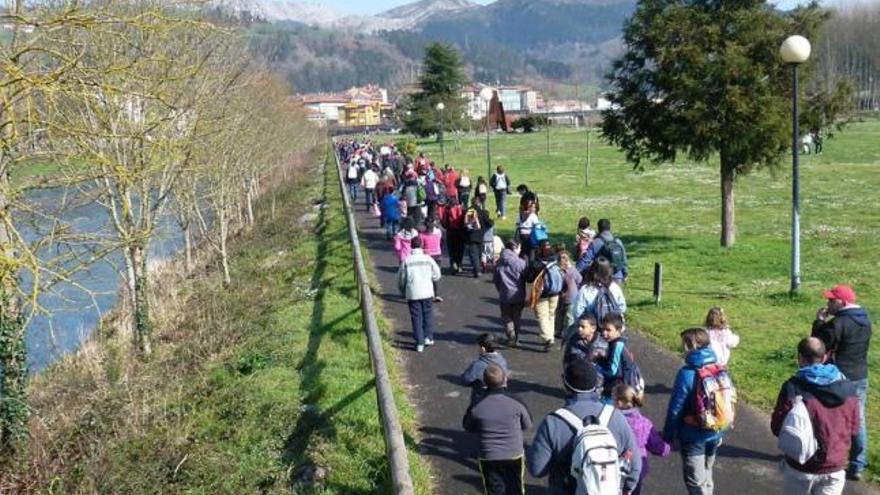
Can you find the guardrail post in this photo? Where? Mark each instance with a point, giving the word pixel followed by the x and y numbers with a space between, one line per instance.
pixel 658 282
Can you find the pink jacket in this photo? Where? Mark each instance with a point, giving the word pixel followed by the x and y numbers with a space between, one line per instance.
pixel 402 245
pixel 431 242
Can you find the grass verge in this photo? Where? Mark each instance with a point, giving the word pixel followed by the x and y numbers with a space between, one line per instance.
pixel 671 214
pixel 262 388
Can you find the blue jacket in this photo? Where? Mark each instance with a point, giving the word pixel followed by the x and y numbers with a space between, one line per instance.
pixel 682 401
pixel 473 375
pixel 390 208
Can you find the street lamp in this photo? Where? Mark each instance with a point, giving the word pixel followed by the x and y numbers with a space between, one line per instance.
pixel 440 107
pixel 486 95
pixel 794 51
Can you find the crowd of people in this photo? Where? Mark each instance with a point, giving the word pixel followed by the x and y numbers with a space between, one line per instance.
pixel 598 442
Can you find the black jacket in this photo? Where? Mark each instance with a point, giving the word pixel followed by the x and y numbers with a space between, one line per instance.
pixel 847 337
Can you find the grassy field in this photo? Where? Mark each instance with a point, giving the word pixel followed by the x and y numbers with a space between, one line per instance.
pixel 257 389
pixel 671 214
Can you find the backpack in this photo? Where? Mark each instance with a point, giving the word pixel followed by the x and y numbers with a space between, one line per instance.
pixel 796 438
pixel 539 233
pixel 353 172
pixel 715 397
pixel 421 194
pixel 632 374
pixel 614 252
pixel 440 193
pixel 553 279
pixel 595 463
pixel 605 304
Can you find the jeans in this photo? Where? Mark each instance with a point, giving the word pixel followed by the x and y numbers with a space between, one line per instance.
pixel 474 250
pixel 511 317
pixel 353 191
pixel 455 248
pixel 545 311
pixel 390 228
pixel 503 477
pixel 858 454
pixel 699 458
pixel 501 202
pixel 422 316
pixel 795 482
pixel 464 197
pixel 370 197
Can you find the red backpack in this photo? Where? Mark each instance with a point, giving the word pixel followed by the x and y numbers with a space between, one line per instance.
pixel 715 399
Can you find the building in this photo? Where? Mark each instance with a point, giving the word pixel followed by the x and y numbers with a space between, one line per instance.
pixel 363 114
pixel 357 104
pixel 327 105
pixel 519 99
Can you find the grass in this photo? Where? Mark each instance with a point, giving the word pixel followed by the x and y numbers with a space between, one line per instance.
pixel 264 388
pixel 671 214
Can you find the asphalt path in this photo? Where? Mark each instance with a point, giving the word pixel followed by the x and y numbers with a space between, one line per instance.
pixel 747 462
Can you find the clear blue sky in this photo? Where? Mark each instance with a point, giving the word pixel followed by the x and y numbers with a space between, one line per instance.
pixel 376 6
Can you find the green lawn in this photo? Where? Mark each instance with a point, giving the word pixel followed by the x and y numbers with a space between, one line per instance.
pixel 671 214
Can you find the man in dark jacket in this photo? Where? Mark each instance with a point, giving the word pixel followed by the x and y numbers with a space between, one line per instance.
pixel 553 445
pixel 847 336
pixel 476 221
pixel 511 285
pixel 605 245
pixel 499 420
pixel 833 406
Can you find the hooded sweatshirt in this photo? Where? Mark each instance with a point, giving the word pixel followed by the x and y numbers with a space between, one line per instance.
pixel 847 337
pixel 509 278
pixel 682 401
pixel 833 405
pixel 473 375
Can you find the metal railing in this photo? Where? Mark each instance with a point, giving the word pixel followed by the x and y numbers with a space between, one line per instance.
pixel 394 444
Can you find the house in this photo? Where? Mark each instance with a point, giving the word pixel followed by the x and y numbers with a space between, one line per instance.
pixel 520 99
pixel 327 105
pixel 363 113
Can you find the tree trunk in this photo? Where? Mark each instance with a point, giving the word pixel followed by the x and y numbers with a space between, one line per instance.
pixel 728 203
pixel 187 247
pixel 142 327
pixel 224 255
pixel 250 205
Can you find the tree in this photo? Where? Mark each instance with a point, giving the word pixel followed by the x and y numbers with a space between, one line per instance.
pixel 704 77
pixel 441 81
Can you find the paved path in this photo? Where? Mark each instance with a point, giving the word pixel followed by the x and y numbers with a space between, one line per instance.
pixel 747 462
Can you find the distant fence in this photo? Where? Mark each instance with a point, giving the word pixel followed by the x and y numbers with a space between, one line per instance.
pixel 394 443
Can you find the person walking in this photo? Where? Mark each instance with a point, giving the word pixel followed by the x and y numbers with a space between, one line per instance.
pixel 509 279
pixel 473 375
pixel 572 279
pixel 370 181
pixel 832 411
pixel 450 180
pixel 722 337
pixel 551 451
pixel 607 246
pixel 547 281
pixel 698 445
pixel 403 239
pixel 627 401
pixel 586 342
pixel 453 222
pixel 527 220
pixel 353 178
pixel 482 192
pixel 432 240
pixel 390 208
pixel 476 221
pixel 499 420
pixel 845 329
pixel 600 295
pixel 500 183
pixel 464 186
pixel 415 279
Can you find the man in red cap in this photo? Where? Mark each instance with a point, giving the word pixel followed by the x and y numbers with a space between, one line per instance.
pixel 845 329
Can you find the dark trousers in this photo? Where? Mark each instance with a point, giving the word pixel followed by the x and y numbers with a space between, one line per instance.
pixel 370 197
pixel 432 209
pixel 455 247
pixel 474 250
pixel 422 315
pixel 503 477
pixel 511 317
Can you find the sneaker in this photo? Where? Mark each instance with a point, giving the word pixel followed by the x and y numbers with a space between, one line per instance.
pixel 548 345
pixel 854 476
pixel 429 341
pixel 438 299
pixel 420 348
pixel 476 275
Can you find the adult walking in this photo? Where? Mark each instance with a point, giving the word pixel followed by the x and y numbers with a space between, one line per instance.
pixel 609 247
pixel 698 445
pixel 547 281
pixel 453 222
pixel 499 420
pixel 552 448
pixel 370 181
pixel 526 221
pixel 500 183
pixel 353 179
pixel 415 279
pixel 845 329
pixel 464 186
pixel 509 279
pixel 450 180
pixel 831 406
pixel 600 295
pixel 476 222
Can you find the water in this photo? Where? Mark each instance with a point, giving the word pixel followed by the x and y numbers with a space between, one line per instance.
pixel 71 310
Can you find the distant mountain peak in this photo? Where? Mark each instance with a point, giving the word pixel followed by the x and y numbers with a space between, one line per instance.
pixel 410 15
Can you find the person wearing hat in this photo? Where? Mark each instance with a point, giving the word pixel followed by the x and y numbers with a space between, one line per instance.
pixel 551 450
pixel 845 329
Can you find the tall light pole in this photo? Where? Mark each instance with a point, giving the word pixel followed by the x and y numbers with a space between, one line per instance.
pixel 486 95
pixel 440 107
pixel 794 51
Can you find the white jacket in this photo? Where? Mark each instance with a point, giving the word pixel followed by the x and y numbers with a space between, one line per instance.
pixel 416 275
pixel 371 179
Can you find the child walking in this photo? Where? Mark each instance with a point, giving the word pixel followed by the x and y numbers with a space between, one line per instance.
pixel 618 365
pixel 432 240
pixel 647 437
pixel 721 337
pixel 585 343
pixel 403 239
pixel 473 375
pixel 584 237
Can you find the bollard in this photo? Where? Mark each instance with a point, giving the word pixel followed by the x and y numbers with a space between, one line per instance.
pixel 658 282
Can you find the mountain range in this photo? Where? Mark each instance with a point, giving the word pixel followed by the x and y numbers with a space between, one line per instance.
pixel 546 43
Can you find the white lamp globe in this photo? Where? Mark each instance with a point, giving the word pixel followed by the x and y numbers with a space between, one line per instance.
pixel 441 106
pixel 487 93
pixel 795 50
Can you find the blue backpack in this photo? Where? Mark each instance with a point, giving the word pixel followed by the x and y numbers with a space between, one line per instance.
pixel 553 279
pixel 539 233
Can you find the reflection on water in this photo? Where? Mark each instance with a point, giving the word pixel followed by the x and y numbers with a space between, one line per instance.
pixel 70 313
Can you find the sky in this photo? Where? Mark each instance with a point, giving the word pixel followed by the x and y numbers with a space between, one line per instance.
pixel 362 7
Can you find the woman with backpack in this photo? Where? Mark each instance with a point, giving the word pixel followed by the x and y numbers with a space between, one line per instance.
pixel 600 295
pixel 527 220
pixel 547 281
pixel 464 186
pixel 683 420
pixel 482 192
pixel 476 221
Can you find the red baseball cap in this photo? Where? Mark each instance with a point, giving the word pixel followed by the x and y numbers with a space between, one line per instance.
pixel 841 292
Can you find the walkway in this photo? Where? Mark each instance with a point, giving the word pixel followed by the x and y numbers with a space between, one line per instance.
pixel 747 463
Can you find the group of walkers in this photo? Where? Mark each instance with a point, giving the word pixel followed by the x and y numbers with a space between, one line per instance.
pixel 598 442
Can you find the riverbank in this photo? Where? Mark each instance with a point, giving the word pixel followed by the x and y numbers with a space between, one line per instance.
pixel 262 388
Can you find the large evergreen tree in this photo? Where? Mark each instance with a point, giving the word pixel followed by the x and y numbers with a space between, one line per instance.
pixel 703 77
pixel 441 81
